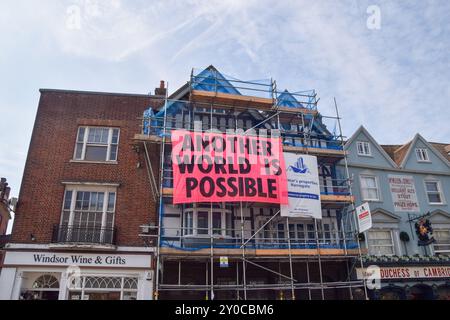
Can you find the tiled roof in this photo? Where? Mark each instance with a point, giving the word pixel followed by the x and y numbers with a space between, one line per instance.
pixel 390 149
pixel 397 152
pixel 443 148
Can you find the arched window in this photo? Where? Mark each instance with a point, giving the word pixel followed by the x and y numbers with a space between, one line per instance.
pixel 46 281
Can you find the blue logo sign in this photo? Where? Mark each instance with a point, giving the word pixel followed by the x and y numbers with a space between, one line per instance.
pixel 300 167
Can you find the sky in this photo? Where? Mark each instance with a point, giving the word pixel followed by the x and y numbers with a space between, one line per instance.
pixel 386 62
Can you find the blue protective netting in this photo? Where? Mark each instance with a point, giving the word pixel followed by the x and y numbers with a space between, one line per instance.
pixel 210 79
pixel 286 99
pixel 348 245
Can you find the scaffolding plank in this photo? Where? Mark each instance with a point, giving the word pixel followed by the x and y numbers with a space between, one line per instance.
pixel 232 252
pixel 304 252
pixel 149 138
pixel 231 100
pixel 318 151
pixel 290 110
pixel 168 192
pixel 206 252
pixel 336 198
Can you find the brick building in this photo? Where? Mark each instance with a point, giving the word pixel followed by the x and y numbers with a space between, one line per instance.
pixel 83 201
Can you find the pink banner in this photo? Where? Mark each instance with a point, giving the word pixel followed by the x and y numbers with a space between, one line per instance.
pixel 218 167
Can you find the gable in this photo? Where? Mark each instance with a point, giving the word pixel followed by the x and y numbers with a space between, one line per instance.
pixel 440 217
pixel 437 163
pixel 382 216
pixel 378 156
pixel 286 99
pixel 212 80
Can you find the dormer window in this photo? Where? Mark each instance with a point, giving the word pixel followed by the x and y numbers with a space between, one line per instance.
pixel 422 155
pixel 363 148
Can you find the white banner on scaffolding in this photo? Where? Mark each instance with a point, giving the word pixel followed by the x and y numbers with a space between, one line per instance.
pixel 303 187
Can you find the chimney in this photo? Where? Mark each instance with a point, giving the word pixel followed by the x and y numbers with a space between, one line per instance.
pixel 161 91
pixel 4 189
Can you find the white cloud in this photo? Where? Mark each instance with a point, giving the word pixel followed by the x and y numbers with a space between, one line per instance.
pixel 393 80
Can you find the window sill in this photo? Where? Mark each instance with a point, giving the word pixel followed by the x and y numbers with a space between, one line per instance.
pixel 365 155
pixel 423 161
pixel 437 204
pixel 94 162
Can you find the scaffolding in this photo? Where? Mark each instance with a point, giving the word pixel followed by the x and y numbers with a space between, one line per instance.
pixel 213 101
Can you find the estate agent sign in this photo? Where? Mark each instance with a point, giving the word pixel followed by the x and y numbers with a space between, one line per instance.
pixel 303 187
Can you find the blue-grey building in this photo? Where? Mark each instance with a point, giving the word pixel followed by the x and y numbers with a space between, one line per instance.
pixel 408 191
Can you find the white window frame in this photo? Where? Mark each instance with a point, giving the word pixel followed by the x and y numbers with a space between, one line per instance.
pixel 422 155
pixel 369 246
pixel 195 210
pixel 84 291
pixel 75 189
pixel 436 245
pixel 361 177
pixel 302 227
pixel 363 148
pixel 439 187
pixel 85 144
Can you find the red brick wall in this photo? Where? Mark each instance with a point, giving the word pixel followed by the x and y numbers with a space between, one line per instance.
pixel 52 147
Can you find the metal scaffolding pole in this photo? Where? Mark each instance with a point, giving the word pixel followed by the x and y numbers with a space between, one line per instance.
pixel 238 296
pixel 319 259
pixel 206 281
pixel 290 260
pixel 346 262
pixel 291 269
pixel 212 254
pixel 275 286
pixel 352 201
pixel 262 227
pixel 161 203
pixel 308 278
pixel 244 277
pixel 270 270
pixel 150 173
pixel 179 272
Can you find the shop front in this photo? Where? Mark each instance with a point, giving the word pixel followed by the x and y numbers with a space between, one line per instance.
pixel 45 275
pixel 428 282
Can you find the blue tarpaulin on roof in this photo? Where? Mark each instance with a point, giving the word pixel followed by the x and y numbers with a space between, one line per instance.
pixel 212 80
